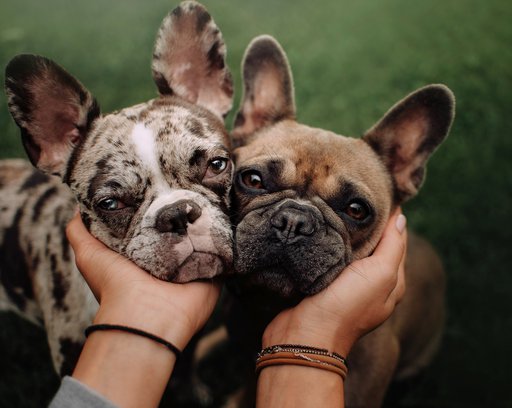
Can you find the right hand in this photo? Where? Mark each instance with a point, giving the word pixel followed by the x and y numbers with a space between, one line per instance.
pixel 361 298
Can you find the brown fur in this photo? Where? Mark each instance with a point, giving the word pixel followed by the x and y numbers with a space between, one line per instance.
pixel 294 187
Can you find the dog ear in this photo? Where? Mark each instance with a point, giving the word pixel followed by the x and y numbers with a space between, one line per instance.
pixel 189 59
pixel 409 133
pixel 52 109
pixel 268 88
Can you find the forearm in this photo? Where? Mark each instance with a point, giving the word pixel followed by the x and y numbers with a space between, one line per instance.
pixel 126 368
pixel 294 386
pixel 361 298
pixel 129 370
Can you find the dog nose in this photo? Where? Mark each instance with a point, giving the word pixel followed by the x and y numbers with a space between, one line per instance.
pixel 293 222
pixel 176 217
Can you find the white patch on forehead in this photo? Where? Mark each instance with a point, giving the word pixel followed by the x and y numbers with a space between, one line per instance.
pixel 143 139
pixel 144 142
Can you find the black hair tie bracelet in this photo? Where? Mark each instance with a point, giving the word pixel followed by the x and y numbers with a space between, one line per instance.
pixel 104 327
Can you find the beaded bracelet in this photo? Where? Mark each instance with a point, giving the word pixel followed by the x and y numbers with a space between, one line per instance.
pixel 307 356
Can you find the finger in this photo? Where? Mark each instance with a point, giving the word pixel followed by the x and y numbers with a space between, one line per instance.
pixel 85 248
pixel 93 258
pixel 398 291
pixel 391 248
pixel 401 284
pixel 78 235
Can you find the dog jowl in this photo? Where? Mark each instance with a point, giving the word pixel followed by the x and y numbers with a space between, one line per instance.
pixel 308 202
pixel 152 181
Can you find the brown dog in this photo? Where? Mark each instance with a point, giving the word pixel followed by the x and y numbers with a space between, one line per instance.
pixel 308 202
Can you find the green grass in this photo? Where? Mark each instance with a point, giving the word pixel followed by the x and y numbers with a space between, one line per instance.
pixel 351 62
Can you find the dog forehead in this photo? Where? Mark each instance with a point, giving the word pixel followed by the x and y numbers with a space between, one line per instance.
pixel 315 156
pixel 297 144
pixel 171 117
pixel 159 137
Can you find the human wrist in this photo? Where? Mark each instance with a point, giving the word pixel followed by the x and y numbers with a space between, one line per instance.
pixel 149 314
pixel 301 355
pixel 127 369
pixel 294 373
pixel 308 333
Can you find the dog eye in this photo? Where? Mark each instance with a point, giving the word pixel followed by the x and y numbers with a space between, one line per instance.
pixel 357 210
pixel 252 179
pixel 216 166
pixel 111 204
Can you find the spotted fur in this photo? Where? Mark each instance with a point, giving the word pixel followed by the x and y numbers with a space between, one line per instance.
pixel 38 275
pixel 152 181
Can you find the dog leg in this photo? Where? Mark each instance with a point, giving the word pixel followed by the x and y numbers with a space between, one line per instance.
pixel 372 363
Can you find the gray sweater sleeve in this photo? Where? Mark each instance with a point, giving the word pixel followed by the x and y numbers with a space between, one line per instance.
pixel 73 393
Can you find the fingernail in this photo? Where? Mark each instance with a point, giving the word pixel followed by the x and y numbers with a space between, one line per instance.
pixel 401 221
pixel 77 211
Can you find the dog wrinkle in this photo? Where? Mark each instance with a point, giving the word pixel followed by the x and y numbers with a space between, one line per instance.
pixel 221 190
pixel 197 158
pixel 87 220
pixel 199 232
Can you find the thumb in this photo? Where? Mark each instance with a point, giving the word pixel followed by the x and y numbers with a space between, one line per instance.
pixel 92 257
pixel 391 247
pixel 78 235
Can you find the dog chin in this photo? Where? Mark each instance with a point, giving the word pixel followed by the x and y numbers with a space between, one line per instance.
pixel 180 262
pixel 324 280
pixel 278 282
pixel 199 265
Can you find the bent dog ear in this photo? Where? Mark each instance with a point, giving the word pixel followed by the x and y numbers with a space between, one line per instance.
pixel 409 133
pixel 52 109
pixel 189 59
pixel 268 89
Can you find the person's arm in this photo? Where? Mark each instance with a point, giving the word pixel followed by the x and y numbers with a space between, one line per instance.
pixel 128 369
pixel 132 371
pixel 360 299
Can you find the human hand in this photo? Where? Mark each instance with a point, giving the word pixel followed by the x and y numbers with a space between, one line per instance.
pixel 361 298
pixel 130 296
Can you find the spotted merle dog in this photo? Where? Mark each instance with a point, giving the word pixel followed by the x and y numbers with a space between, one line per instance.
pixel 151 181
